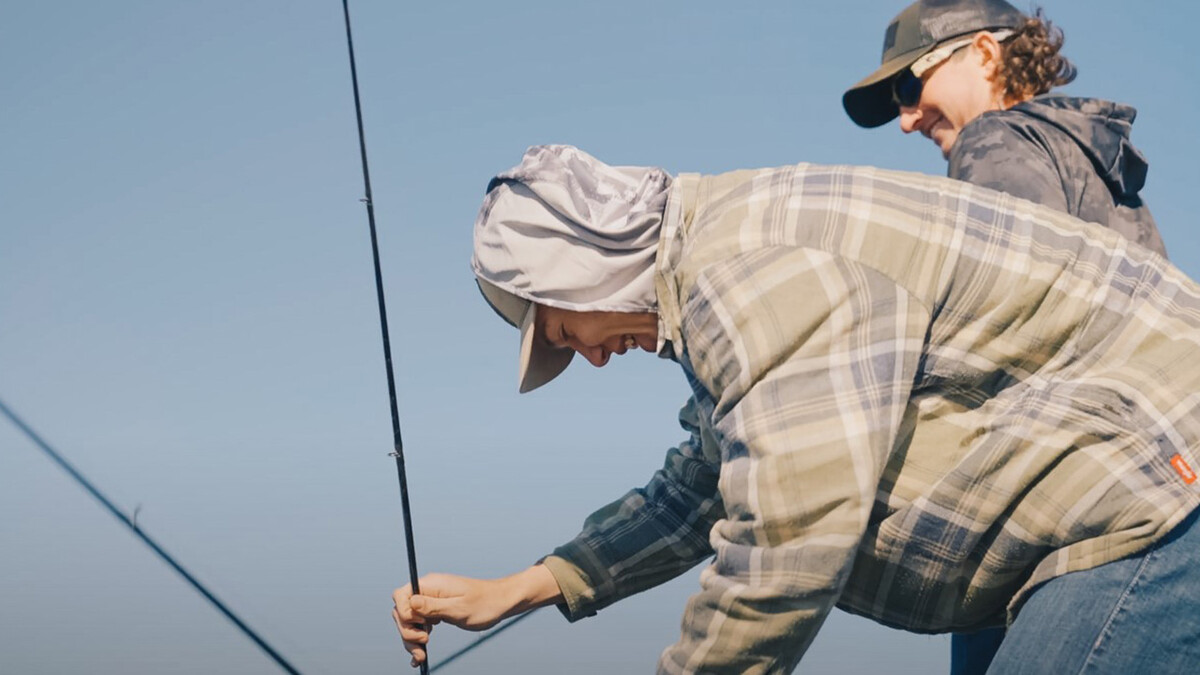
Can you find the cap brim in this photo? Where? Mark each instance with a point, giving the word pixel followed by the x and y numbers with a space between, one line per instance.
pixel 508 306
pixel 869 103
pixel 540 362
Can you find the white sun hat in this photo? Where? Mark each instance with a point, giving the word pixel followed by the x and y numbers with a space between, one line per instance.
pixel 565 230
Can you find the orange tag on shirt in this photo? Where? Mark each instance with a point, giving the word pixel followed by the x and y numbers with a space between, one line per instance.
pixel 1185 471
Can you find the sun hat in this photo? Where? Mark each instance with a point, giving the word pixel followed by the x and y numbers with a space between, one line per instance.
pixel 565 230
pixel 916 31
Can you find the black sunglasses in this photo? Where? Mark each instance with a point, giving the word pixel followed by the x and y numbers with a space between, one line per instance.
pixel 906 89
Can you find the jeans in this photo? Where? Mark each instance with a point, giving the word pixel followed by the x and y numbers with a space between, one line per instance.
pixel 1137 615
pixel 972 653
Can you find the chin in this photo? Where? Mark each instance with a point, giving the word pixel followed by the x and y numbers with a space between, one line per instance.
pixel 946 144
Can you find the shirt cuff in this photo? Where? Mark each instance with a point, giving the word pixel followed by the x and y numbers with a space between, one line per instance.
pixel 578 594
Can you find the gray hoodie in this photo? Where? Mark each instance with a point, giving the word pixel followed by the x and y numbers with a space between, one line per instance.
pixel 1071 154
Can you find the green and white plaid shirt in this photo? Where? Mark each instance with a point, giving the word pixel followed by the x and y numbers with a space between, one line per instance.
pixel 913 398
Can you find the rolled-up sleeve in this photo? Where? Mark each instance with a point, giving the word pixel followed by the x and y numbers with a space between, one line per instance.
pixel 809 359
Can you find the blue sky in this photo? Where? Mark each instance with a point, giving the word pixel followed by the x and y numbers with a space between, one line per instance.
pixel 187 307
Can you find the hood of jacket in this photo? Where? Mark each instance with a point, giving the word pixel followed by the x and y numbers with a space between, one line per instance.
pixel 1101 129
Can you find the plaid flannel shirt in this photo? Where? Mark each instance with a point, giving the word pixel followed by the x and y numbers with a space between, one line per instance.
pixel 914 398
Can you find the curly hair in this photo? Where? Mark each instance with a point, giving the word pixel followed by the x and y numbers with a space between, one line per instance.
pixel 1030 60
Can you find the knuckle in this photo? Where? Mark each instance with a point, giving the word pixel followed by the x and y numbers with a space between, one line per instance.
pixel 414 636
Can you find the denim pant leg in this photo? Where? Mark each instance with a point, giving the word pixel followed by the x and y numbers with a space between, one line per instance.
pixel 1136 615
pixel 972 653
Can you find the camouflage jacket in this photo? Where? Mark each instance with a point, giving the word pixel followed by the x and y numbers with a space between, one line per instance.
pixel 1071 154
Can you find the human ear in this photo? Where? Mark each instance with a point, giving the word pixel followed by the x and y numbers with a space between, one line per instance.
pixel 989 51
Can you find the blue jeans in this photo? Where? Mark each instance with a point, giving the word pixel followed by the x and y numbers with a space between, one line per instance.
pixel 1136 615
pixel 972 653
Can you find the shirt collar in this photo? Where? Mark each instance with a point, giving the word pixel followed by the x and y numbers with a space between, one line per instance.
pixel 676 218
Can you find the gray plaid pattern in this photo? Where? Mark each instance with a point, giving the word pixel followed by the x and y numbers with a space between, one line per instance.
pixel 914 398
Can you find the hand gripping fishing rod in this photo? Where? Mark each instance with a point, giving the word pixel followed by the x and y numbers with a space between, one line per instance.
pixel 398 451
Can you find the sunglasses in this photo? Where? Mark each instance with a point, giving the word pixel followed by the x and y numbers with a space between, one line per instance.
pixel 907 86
pixel 906 89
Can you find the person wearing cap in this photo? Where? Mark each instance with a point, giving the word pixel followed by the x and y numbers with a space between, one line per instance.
pixel 925 402
pixel 973 76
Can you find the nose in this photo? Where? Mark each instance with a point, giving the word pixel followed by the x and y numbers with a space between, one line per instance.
pixel 909 118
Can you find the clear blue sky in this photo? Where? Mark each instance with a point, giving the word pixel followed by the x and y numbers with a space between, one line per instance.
pixel 187 307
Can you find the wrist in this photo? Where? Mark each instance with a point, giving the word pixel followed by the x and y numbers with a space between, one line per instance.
pixel 532 588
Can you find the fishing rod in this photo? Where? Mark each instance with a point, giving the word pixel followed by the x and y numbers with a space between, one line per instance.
pixel 398 444
pixel 131 523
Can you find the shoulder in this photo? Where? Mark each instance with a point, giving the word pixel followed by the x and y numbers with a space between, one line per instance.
pixel 990 142
pixel 997 143
pixel 1009 152
pixel 1004 131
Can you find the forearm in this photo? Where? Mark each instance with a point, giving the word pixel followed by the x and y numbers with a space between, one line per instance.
pixel 759 621
pixel 531 588
pixel 651 534
pixel 473 604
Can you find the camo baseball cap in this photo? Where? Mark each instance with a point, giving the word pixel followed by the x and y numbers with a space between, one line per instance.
pixel 916 31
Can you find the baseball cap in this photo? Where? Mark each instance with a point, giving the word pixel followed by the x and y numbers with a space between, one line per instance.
pixel 916 31
pixel 539 362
